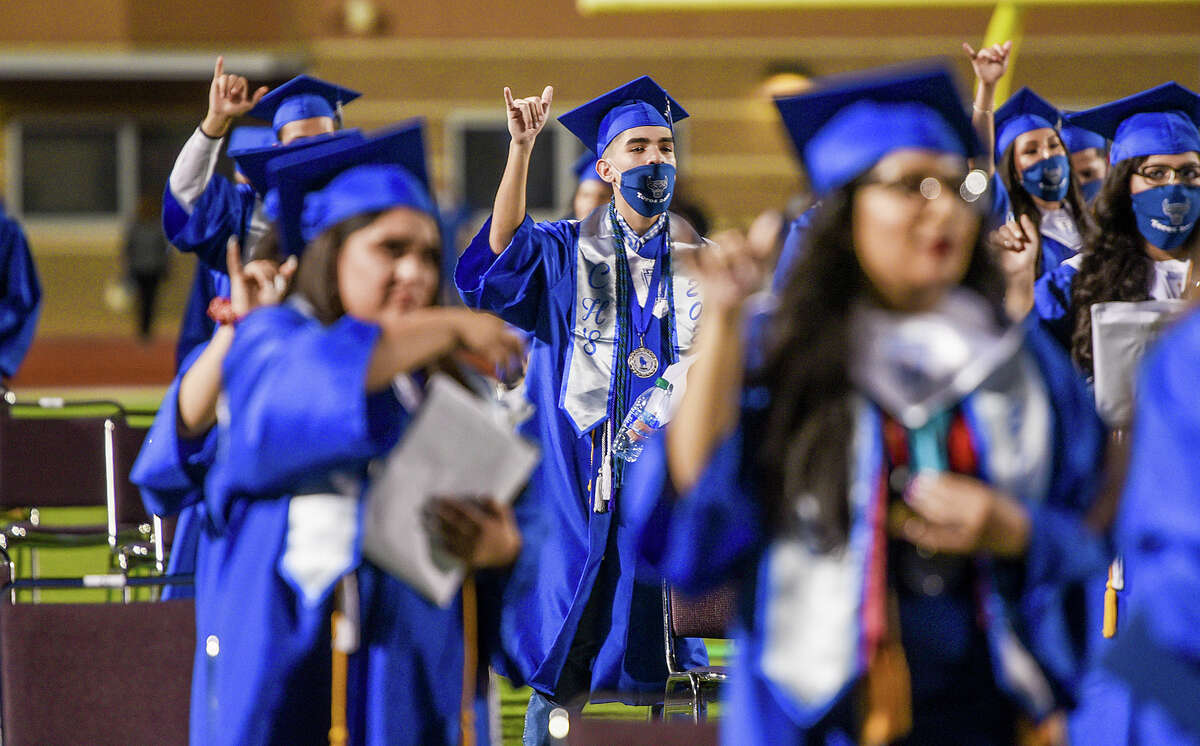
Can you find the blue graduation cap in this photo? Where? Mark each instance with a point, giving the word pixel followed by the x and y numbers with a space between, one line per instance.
pixel 302 97
pixel 848 122
pixel 252 161
pixel 638 103
pixel 1025 111
pixel 1158 121
pixel 585 167
pixel 244 138
pixel 1077 138
pixel 321 186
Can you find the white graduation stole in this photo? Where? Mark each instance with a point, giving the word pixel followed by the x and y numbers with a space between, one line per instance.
pixel 590 363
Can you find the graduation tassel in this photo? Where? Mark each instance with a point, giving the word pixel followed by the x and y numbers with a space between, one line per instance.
pixel 1116 582
pixel 604 482
pixel 344 634
pixel 466 715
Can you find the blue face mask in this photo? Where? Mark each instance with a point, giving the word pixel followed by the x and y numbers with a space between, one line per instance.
pixel 1091 189
pixel 1167 214
pixel 1048 179
pixel 648 189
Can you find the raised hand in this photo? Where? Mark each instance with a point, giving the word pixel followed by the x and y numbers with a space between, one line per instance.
pixel 259 283
pixel 735 267
pixel 527 116
pixel 990 63
pixel 487 336
pixel 1016 245
pixel 229 97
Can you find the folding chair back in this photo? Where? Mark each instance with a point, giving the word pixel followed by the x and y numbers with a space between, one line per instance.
pixel 51 462
pixel 96 673
pixel 708 616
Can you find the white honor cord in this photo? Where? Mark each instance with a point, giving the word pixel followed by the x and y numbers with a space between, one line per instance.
pixel 605 478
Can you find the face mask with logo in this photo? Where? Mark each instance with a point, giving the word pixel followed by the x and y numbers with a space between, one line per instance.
pixel 1167 214
pixel 1091 189
pixel 648 189
pixel 1048 179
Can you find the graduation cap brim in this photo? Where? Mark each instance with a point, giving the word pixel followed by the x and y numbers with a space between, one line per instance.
pixel 1106 118
pixel 333 94
pixel 585 121
pixel 928 83
pixel 296 175
pixel 246 138
pixel 252 162
pixel 585 167
pixel 1024 111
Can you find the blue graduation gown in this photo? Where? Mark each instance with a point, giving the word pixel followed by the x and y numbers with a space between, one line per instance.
pixel 1145 688
pixel 1052 303
pixel 22 300
pixel 224 209
pixel 170 472
pixel 301 423
pixel 571 552
pixel 195 326
pixel 793 249
pixel 719 532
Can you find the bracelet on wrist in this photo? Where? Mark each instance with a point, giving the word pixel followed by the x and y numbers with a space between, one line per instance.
pixel 221 311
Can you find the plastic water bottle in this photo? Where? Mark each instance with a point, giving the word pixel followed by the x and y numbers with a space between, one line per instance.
pixel 647 415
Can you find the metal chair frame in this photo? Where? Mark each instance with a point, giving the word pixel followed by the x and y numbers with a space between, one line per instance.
pixel 700 685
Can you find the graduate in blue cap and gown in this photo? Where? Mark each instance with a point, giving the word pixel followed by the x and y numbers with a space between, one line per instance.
pixel 1144 688
pixel 896 481
pixel 1037 200
pixel 201 209
pixel 609 306
pixel 1145 244
pixel 1089 158
pixel 21 302
pixel 316 388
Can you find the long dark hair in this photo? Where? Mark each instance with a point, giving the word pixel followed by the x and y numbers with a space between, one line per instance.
pixel 1022 200
pixel 805 436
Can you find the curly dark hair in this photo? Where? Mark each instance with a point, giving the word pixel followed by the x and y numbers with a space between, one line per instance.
pixel 805 435
pixel 1022 201
pixel 1114 266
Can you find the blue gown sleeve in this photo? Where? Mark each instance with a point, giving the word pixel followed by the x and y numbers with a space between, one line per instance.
pixel 793 248
pixel 298 405
pixel 1158 523
pixel 1063 553
pixel 196 327
pixel 170 469
pixel 223 210
pixel 1052 303
pixel 515 284
pixel 22 300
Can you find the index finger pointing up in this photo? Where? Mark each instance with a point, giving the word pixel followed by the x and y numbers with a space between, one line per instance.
pixel 219 69
pixel 508 98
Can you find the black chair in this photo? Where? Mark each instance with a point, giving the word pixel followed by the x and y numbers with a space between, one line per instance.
pixel 689 690
pixel 49 459
pixel 95 673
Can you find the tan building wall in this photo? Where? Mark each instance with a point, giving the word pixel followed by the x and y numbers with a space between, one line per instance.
pixel 451 58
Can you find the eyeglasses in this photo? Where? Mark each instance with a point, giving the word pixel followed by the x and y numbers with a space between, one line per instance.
pixel 924 187
pixel 1160 175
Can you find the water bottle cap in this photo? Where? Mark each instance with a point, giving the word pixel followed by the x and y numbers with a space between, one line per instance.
pixel 662 383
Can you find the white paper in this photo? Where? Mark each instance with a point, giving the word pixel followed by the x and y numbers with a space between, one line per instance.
pixel 454 446
pixel 1121 334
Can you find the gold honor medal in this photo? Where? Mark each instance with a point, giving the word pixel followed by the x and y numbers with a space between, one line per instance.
pixel 643 362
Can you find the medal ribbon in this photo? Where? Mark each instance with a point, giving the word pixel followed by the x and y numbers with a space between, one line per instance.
pixel 644 312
